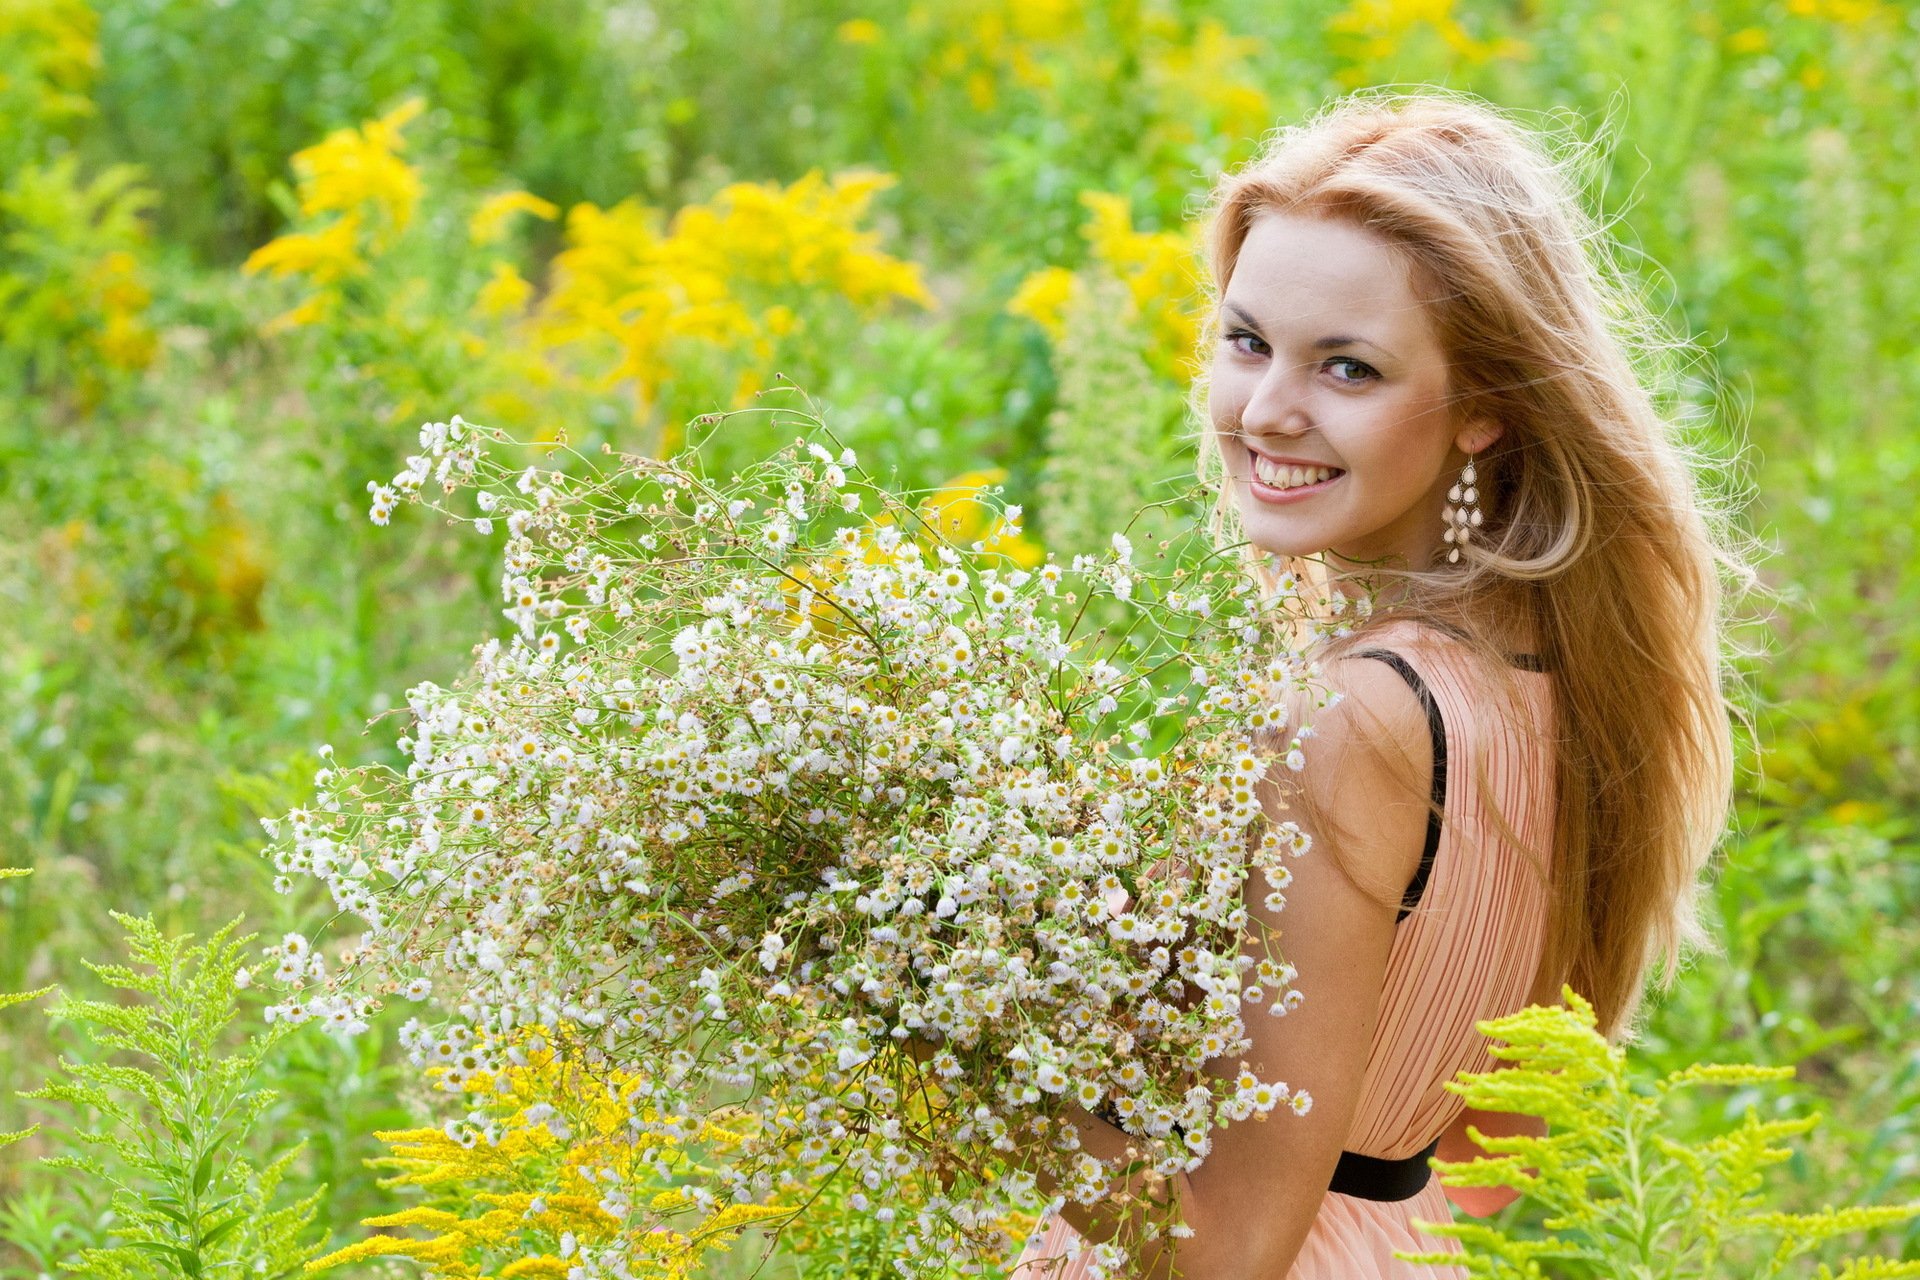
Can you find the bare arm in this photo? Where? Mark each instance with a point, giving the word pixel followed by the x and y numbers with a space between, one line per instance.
pixel 1253 1200
pixel 1456 1145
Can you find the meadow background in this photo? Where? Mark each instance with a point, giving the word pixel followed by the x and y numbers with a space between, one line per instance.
pixel 246 248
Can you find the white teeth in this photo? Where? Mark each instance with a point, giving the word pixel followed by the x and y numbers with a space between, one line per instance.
pixel 1281 476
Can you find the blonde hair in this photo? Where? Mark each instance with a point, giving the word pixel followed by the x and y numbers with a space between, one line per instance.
pixel 1596 530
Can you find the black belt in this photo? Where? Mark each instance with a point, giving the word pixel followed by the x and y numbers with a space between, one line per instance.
pixel 1371 1178
pixel 1362 1177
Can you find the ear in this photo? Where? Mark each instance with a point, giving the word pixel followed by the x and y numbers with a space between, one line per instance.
pixel 1477 435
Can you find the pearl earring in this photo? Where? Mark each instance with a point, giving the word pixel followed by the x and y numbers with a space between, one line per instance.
pixel 1463 511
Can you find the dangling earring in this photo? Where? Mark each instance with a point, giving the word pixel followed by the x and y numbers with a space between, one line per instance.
pixel 1463 511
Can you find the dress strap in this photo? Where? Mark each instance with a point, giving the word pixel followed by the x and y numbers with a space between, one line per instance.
pixel 1437 730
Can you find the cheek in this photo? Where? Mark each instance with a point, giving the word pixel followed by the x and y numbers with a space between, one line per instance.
pixel 1400 435
pixel 1222 418
pixel 1220 401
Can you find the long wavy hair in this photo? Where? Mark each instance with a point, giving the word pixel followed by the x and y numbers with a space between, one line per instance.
pixel 1600 528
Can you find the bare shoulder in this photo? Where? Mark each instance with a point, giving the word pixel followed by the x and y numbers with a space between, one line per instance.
pixel 1374 726
pixel 1368 759
pixel 1374 705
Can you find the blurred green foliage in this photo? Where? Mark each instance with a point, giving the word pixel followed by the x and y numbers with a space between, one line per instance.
pixel 192 598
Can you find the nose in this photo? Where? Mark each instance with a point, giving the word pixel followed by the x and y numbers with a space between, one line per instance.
pixel 1277 403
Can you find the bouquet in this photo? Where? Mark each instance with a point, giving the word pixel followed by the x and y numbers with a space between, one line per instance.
pixel 785 815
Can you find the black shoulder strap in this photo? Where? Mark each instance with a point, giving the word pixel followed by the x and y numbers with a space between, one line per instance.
pixel 1437 729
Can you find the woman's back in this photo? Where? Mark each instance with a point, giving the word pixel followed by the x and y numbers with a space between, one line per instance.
pixel 1469 950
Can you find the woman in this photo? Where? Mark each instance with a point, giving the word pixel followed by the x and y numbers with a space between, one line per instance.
pixel 1420 376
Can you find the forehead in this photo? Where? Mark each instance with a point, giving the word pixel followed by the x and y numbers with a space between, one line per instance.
pixel 1302 270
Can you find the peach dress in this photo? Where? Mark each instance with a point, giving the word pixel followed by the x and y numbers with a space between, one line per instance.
pixel 1468 951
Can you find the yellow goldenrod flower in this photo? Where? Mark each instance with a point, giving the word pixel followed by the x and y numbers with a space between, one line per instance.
pixel 125 341
pixel 670 1199
pixel 423 1216
pixel 560 1129
pixel 1018 548
pixel 950 61
pixel 779 320
pixel 505 292
pixel 355 170
pixel 323 256
pixel 818 578
pixel 734 1217
pixel 356 175
pixel 955 508
pixel 624 291
pixel 1850 13
pixel 1372 31
pixel 956 511
pixel 1210 69
pixel 805 234
pixel 980 47
pixel 54 49
pixel 1161 270
pixel 115 280
pixel 315 310
pixel 860 31
pixel 982 89
pixel 745 388
pixel 1042 298
pixel 1047 21
pixel 541 1265
pixel 488 225
pixel 123 338
pixel 443 1251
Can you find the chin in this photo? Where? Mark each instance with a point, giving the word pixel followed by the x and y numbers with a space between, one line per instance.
pixel 1281 536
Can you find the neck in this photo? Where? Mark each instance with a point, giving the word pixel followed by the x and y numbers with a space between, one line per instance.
pixel 1356 582
pixel 1502 608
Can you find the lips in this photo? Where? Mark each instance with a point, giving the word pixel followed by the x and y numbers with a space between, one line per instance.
pixel 1286 475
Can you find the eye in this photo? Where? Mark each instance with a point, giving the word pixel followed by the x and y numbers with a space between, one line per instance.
pixel 1366 371
pixel 1232 337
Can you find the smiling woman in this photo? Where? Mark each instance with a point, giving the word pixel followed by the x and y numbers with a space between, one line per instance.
pixel 1344 439
pixel 1419 394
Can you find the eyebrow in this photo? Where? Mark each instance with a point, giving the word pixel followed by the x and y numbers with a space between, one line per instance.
pixel 1319 344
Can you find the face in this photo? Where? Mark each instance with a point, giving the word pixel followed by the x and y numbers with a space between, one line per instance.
pixel 1328 365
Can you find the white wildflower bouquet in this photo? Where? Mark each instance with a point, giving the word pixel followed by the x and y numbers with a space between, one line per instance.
pixel 783 806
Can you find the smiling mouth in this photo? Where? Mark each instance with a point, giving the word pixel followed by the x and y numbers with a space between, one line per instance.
pixel 1282 476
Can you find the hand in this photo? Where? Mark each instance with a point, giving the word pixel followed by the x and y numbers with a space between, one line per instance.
pixel 922 1050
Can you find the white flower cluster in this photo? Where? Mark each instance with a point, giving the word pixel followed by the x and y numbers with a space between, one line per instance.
pixel 778 800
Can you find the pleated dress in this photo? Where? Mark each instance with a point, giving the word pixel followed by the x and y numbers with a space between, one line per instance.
pixel 1467 947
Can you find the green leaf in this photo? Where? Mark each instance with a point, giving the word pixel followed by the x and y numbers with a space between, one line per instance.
pixel 189 1261
pixel 213 1234
pixel 203 1172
